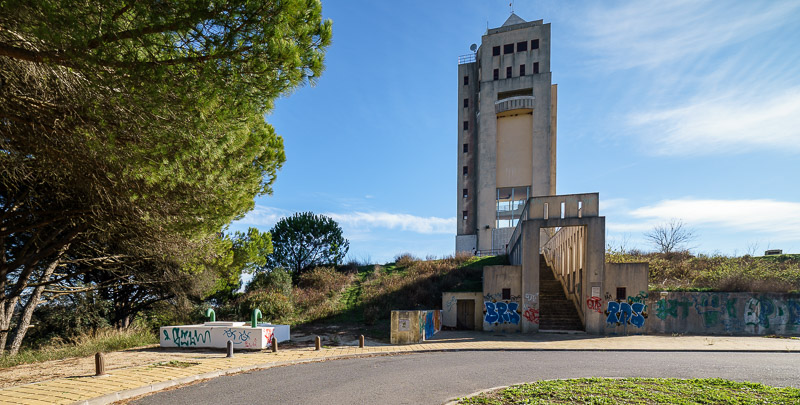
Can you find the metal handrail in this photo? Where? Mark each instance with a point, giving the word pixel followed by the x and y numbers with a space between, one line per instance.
pixel 468 58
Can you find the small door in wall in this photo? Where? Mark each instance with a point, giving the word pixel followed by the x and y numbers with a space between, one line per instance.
pixel 465 314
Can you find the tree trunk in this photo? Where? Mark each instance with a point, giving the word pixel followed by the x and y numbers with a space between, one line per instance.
pixel 30 306
pixel 6 312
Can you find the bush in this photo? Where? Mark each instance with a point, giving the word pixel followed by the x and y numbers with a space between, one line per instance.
pixel 277 279
pixel 275 306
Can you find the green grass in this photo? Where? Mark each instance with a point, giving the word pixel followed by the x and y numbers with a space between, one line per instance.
pixel 106 340
pixel 638 391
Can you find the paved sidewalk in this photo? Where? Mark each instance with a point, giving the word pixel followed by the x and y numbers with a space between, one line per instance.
pixel 133 381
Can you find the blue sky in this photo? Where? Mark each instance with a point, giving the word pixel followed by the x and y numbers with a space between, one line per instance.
pixel 679 109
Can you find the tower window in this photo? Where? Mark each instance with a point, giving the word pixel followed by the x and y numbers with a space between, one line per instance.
pixel 466 80
pixel 466 102
pixel 535 67
pixel 464 214
pixel 496 50
pixel 466 148
pixel 535 44
pixel 465 193
pixel 466 125
pixel 464 170
pixel 522 46
pixel 496 74
pixel 522 69
pixel 508 72
pixel 506 293
pixel 508 48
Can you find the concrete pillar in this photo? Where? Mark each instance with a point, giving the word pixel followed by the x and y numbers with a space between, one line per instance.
pixel 530 277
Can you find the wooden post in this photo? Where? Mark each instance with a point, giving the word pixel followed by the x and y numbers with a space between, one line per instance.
pixel 274 344
pixel 99 364
pixel 318 344
pixel 361 341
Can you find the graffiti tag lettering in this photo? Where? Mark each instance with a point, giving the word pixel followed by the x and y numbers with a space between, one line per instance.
pixel 532 315
pixel 501 312
pixel 595 304
pixel 625 313
pixel 189 337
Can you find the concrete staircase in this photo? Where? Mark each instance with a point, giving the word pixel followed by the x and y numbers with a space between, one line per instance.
pixel 556 312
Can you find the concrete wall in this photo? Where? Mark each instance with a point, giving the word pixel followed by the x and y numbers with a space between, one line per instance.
pixel 721 313
pixel 502 314
pixel 565 252
pixel 217 335
pixel 450 308
pixel 625 313
pixel 514 149
pixel 409 327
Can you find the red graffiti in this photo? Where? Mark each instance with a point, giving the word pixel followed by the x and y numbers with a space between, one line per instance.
pixel 595 304
pixel 268 337
pixel 532 315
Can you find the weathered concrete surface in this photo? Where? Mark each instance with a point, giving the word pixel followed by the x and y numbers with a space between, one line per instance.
pixel 624 312
pixel 732 313
pixel 414 326
pixel 502 314
pixel 450 308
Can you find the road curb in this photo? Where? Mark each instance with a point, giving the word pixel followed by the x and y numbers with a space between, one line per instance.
pixel 160 386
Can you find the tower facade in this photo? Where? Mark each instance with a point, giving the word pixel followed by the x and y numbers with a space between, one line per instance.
pixel 506 132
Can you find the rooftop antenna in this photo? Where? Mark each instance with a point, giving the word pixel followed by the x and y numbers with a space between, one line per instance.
pixel 511 5
pixel 473 47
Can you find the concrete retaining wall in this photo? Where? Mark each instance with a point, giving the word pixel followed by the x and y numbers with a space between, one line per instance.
pixel 724 313
pixel 414 326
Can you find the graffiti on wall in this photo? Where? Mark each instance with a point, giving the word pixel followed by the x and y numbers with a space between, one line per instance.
pixel 532 315
pixel 639 298
pixel 450 303
pixel 184 338
pixel 501 312
pixel 674 308
pixel 768 313
pixel 430 322
pixel 624 313
pixel 595 304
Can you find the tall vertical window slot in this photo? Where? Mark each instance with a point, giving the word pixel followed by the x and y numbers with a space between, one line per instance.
pixel 508 48
pixel 535 44
pixel 522 46
pixel 466 80
pixel 496 50
pixel 522 69
pixel 464 214
pixel 466 125
pixel 535 67
pixel 496 74
pixel 464 170
pixel 466 103
pixel 508 72
pixel 466 194
pixel 466 148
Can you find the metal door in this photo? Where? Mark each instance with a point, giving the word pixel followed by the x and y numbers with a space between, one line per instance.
pixel 465 314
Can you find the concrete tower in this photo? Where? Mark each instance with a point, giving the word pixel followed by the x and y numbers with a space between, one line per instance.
pixel 506 132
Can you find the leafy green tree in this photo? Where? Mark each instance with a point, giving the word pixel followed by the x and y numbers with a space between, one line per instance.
pixel 305 240
pixel 248 253
pixel 132 132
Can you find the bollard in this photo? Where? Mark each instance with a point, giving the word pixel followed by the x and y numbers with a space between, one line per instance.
pixel 100 364
pixel 230 348
pixel 274 344
pixel 361 341
pixel 318 344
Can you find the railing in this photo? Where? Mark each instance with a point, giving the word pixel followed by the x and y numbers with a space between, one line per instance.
pixel 468 58
pixel 565 253
pixel 514 103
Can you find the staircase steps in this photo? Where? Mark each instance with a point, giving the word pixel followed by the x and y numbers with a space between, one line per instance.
pixel 556 311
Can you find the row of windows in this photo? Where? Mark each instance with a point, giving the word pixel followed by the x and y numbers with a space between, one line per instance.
pixel 521 47
pixel 509 71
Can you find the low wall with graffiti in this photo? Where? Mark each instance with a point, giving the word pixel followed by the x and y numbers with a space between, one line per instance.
pixel 415 326
pixel 724 313
pixel 217 335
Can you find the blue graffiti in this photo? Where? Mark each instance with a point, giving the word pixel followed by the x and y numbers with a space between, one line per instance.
pixel 623 313
pixel 501 312
pixel 242 337
pixel 430 328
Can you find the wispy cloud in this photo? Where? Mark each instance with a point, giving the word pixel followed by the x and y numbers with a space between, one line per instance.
pixel 404 222
pixel 652 33
pixel 778 219
pixel 726 124
pixel 358 224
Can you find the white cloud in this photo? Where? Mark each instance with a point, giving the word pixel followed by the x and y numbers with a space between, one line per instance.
pixel 405 222
pixel 778 219
pixel 359 224
pixel 732 124
pixel 653 33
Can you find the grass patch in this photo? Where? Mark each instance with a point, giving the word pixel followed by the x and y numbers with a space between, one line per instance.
pixel 638 391
pixel 103 340
pixel 682 271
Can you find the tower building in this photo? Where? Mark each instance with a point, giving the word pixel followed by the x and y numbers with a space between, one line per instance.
pixel 506 132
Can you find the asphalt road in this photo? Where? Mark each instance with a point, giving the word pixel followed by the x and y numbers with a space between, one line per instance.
pixel 433 378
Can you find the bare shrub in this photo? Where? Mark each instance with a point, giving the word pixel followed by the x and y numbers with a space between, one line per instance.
pixel 405 260
pixel 670 236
